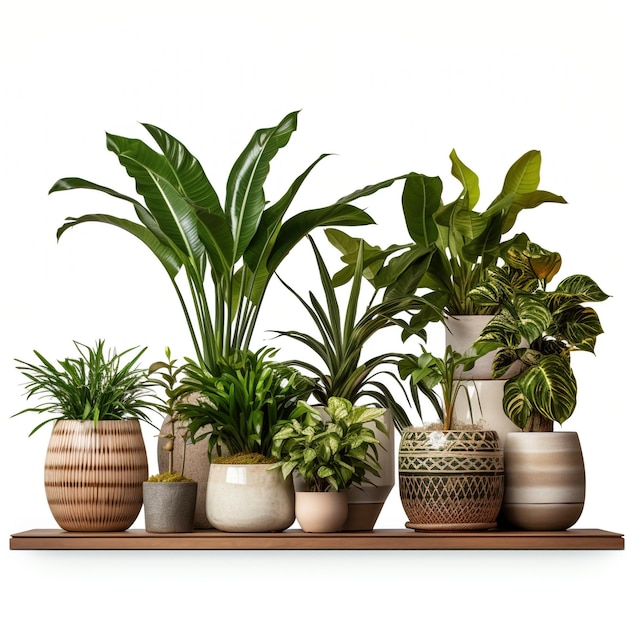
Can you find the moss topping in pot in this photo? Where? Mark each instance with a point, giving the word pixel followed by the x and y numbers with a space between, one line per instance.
pixel 244 458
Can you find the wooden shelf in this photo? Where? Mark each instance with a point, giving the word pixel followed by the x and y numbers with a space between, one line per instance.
pixel 404 539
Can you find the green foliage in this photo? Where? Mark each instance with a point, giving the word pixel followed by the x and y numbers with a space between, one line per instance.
pixel 243 404
pixel 426 372
pixel 341 340
pixel 329 454
pixel 231 251
pixel 96 385
pixel 168 380
pixel 540 329
pixel 453 244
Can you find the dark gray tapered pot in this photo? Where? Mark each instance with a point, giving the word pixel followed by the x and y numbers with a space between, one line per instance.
pixel 169 507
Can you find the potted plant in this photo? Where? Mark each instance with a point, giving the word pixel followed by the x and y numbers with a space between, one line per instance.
pixel 453 245
pixel 555 325
pixel 345 373
pixel 228 252
pixel 96 460
pixel 169 497
pixel 242 406
pixel 329 454
pixel 450 477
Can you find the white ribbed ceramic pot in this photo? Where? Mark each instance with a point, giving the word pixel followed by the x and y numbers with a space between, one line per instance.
pixel 544 480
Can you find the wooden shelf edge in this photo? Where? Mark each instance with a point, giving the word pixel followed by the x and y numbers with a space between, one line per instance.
pixel 395 539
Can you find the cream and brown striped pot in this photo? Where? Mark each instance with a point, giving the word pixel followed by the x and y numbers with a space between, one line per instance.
pixel 94 476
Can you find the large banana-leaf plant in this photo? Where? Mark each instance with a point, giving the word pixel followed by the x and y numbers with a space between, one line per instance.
pixel 338 347
pixel 541 329
pixel 235 248
pixel 453 244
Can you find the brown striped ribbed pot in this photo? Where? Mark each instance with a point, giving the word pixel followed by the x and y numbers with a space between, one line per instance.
pixel 451 480
pixel 94 476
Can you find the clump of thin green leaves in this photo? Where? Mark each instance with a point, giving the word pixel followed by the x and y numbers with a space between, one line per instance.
pixel 244 403
pixel 329 454
pixel 341 340
pixel 96 385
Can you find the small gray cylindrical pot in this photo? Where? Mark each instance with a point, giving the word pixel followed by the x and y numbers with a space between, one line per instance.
pixel 169 507
pixel 544 481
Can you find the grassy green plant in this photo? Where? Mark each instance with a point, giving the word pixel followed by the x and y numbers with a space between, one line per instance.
pixel 168 379
pixel 228 253
pixel 453 244
pixel 554 324
pixel 342 339
pixel 329 454
pixel 427 372
pixel 242 404
pixel 96 385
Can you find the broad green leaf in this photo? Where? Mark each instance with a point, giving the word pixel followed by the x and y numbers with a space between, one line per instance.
pixel 190 178
pixel 245 198
pixel 467 178
pixel 421 199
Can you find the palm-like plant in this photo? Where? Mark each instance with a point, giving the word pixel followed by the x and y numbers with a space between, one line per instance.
pixel 237 247
pixel 554 324
pixel 96 385
pixel 341 340
pixel 428 372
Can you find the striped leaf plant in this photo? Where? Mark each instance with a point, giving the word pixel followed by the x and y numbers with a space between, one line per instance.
pixel 541 329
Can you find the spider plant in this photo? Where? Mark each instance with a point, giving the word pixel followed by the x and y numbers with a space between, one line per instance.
pixel 234 248
pixel 340 342
pixel 96 385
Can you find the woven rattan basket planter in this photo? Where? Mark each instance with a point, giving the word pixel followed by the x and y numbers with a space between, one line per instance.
pixel 451 480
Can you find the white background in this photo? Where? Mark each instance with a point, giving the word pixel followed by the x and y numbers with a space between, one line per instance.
pixel 387 87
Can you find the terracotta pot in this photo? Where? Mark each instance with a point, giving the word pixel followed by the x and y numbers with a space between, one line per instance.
pixel 544 481
pixel 249 498
pixel 451 480
pixel 94 476
pixel 321 511
pixel 169 507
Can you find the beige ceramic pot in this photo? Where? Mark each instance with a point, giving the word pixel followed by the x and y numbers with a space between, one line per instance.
pixel 544 481
pixel 452 480
pixel 94 476
pixel 321 511
pixel 169 507
pixel 249 498
pixel 461 333
pixel 482 406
